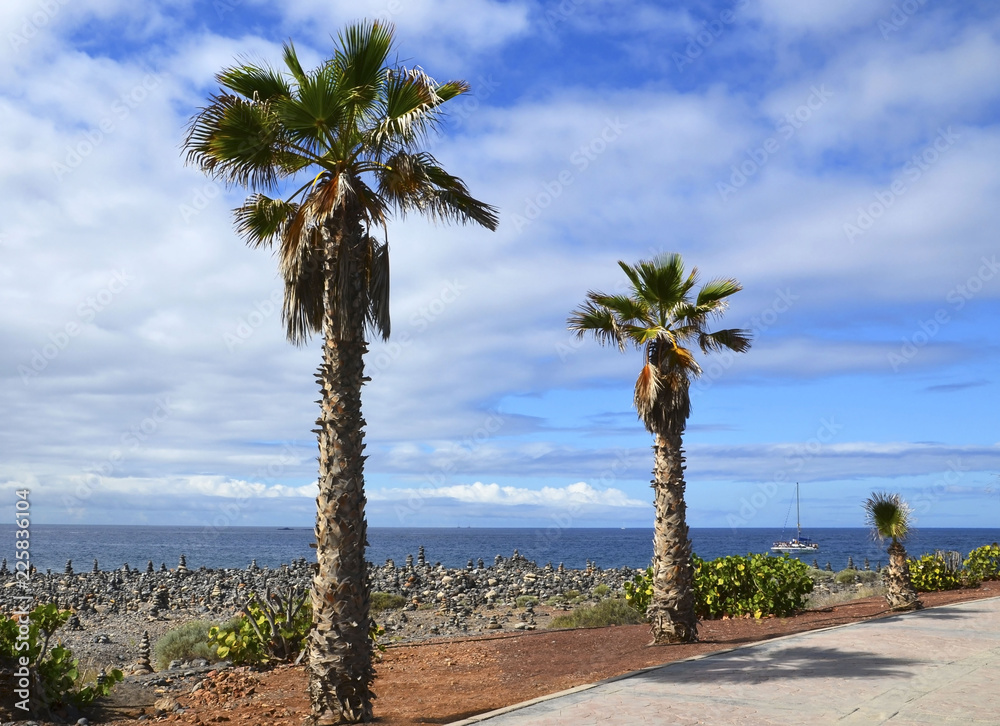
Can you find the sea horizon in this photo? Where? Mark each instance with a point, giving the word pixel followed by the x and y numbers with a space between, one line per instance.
pixel 52 545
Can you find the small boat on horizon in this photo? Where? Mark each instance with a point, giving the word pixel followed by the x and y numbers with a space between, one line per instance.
pixel 798 543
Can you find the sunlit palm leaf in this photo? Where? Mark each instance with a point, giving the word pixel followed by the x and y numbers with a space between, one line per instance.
pixel 597 320
pixel 731 339
pixel 261 219
pixel 888 515
pixel 260 83
pixel 716 291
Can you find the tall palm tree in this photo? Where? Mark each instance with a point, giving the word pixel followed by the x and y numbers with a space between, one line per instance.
pixel 889 517
pixel 660 316
pixel 327 156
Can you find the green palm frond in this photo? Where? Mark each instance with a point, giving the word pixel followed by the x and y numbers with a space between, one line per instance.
pixel 291 59
pixel 888 516
pixel 362 58
pixel 260 220
pixel 597 320
pixel 628 310
pixel 261 83
pixel 732 339
pixel 712 296
pixel 416 182
pixel 236 140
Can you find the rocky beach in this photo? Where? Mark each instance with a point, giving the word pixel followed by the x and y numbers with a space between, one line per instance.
pixel 113 608
pixel 119 615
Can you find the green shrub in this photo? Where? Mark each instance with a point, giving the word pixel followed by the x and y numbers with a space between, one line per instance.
pixel 607 612
pixel 845 577
pixel 601 590
pixel 386 601
pixel 984 563
pixel 523 600
pixel 869 577
pixel 571 594
pixel 639 592
pixel 55 673
pixel 274 628
pixel 757 585
pixel 187 642
pixel 820 575
pixel 930 573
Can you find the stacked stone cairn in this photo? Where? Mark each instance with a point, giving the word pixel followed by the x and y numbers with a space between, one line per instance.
pixel 142 665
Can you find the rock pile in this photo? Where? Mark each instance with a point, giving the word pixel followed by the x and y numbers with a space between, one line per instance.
pixel 458 591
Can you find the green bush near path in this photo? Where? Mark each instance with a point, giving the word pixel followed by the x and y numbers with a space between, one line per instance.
pixel 984 563
pixel 386 601
pixel 54 675
pixel 612 611
pixel 185 642
pixel 845 577
pixel 757 585
pixel 930 573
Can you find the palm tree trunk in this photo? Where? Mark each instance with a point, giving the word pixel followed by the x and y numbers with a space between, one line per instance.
pixel 671 613
pixel 899 590
pixel 340 649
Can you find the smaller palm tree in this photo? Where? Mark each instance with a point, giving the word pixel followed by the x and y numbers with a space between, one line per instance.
pixel 889 517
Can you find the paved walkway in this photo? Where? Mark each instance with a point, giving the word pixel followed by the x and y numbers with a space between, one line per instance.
pixel 936 666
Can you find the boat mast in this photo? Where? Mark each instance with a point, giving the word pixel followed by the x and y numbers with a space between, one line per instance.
pixel 798 524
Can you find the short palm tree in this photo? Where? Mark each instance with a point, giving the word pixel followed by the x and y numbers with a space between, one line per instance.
pixel 889 517
pixel 328 155
pixel 661 315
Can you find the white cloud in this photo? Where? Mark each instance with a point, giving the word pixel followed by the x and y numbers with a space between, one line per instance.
pixel 573 495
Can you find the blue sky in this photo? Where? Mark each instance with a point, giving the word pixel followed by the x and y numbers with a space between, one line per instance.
pixel 840 159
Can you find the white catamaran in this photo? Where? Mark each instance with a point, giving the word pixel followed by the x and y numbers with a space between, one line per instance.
pixel 800 543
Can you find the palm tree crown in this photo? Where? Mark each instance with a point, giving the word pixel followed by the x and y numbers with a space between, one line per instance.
pixel 343 141
pixel 888 516
pixel 661 316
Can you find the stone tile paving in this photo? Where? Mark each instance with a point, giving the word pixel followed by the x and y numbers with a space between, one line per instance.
pixel 938 666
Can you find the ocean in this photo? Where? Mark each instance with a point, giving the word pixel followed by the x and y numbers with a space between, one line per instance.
pixel 113 546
